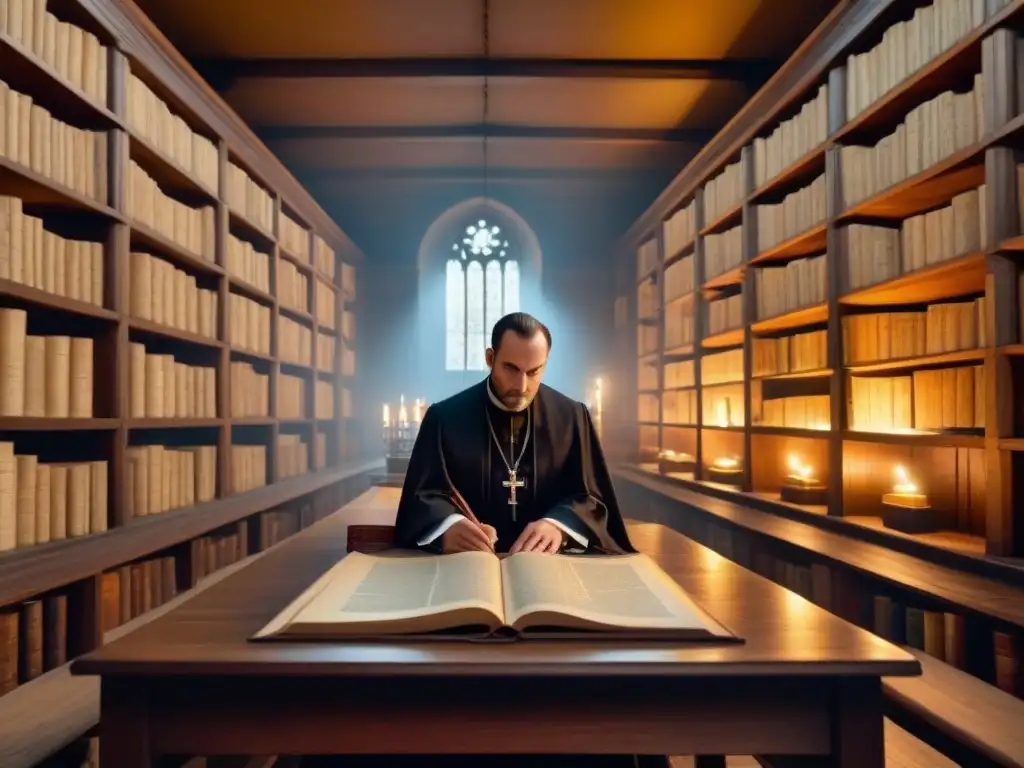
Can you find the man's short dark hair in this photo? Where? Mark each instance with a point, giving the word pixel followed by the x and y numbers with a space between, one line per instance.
pixel 520 323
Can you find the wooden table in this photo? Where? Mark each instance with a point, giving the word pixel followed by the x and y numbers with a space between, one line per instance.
pixel 804 683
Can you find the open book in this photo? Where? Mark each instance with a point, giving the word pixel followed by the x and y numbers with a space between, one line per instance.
pixel 479 595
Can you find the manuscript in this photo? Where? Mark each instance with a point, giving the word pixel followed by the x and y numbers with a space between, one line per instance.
pixel 477 595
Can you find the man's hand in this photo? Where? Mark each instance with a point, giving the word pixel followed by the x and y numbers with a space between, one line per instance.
pixel 466 536
pixel 539 536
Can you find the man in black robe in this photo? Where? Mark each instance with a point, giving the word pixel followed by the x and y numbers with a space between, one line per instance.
pixel 510 464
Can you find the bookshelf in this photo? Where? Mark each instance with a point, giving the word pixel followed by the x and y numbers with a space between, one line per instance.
pixel 829 294
pixel 177 334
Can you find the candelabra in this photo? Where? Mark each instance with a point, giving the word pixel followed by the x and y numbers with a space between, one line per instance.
pixel 399 434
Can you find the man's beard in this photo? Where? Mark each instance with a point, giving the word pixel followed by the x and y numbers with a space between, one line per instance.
pixel 511 399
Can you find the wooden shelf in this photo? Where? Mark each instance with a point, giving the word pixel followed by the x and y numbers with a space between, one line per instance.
pixel 806 168
pixel 165 172
pixel 680 253
pixel 990 272
pixel 795 319
pixel 916 363
pixel 804 244
pixel 166 331
pixel 35 189
pixel 150 239
pixel 42 299
pixel 35 424
pixel 961 276
pixel 243 288
pixel 31 571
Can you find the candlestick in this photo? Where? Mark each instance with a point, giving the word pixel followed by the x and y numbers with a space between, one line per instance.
pixel 800 486
pixel 906 508
pixel 726 470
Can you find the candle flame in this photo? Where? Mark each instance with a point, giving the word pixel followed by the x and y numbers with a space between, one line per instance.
pixel 798 468
pixel 387 415
pixel 726 462
pixel 903 483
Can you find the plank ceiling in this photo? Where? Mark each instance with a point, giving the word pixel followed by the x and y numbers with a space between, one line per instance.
pixel 575 112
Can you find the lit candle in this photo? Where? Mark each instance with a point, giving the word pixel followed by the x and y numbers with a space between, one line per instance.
pixel 725 469
pixel 403 415
pixel 387 416
pixel 799 473
pixel 675 462
pixel 905 492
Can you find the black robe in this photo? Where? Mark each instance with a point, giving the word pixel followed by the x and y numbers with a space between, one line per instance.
pixel 566 477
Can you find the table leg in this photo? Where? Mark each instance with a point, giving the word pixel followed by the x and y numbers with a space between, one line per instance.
pixel 858 738
pixel 124 725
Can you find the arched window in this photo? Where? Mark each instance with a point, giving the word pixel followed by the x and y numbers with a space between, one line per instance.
pixel 481 286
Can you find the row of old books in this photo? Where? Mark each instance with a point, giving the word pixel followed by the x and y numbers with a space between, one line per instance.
pixel 324 399
pixel 679 375
pixel 191 229
pixel 247 198
pixel 161 387
pixel 800 283
pixel 248 324
pixel 906 47
pixel 248 468
pixel 646 258
pixel 679 229
pixel 790 354
pixel 792 139
pixel 33 639
pixel 648 408
pixel 800 412
pixel 250 391
pixel 162 478
pixel 150 118
pixel 940 328
pixel 325 304
pixel 293 238
pixel 348 325
pixel 43 502
pixel 947 398
pixel 945 233
pixel 69 156
pixel 647 300
pixel 348 362
pixel 723 406
pixel 725 314
pixel 679 406
pixel 292 287
pixel 291 396
pixel 679 329
pixel 678 279
pixel 723 193
pixel 321 449
pixel 41 259
pixel 248 263
pixel 348 280
pixel 722 252
pixel 43 376
pixel 164 294
pixel 721 367
pixel 647 374
pixel 74 54
pixel 325 349
pixel 324 260
pixel 646 339
pixel 294 341
pixel 292 456
pixel 796 213
pixel 929 134
pixel 135 589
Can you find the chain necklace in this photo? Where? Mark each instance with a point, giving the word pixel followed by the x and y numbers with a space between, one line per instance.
pixel 513 481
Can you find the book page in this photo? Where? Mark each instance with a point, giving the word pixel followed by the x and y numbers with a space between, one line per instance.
pixel 388 592
pixel 599 592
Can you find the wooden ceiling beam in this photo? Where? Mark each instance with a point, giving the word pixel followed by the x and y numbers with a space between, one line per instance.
pixel 475 174
pixel 482 130
pixel 222 73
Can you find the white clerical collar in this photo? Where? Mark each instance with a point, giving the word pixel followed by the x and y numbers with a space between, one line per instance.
pixel 497 401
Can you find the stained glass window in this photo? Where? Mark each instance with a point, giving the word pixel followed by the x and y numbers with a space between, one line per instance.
pixel 477 297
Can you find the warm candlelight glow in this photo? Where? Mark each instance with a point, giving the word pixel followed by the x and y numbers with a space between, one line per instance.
pixel 903 483
pixel 725 462
pixel 387 415
pixel 598 394
pixel 403 414
pixel 723 412
pixel 799 470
